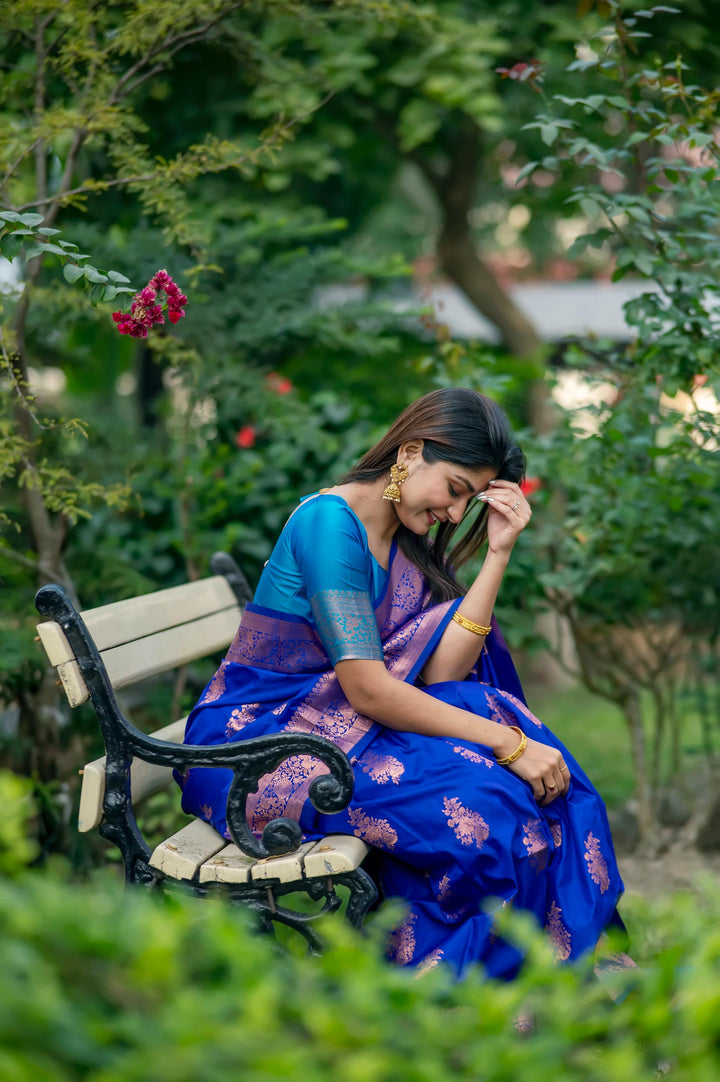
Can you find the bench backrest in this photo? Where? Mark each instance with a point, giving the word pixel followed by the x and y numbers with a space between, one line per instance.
pixel 147 635
pixel 139 638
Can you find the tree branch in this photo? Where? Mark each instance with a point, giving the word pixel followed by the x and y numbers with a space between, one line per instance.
pixel 176 43
pixel 100 186
pixel 18 558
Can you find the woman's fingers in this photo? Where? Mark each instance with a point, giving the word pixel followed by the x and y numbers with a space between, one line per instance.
pixel 545 770
pixel 506 497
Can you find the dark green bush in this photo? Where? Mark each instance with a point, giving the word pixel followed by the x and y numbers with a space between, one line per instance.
pixel 119 986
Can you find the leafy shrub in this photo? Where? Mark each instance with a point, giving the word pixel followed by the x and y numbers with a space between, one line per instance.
pixel 122 987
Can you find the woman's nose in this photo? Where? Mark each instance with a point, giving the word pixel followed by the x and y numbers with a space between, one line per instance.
pixel 455 511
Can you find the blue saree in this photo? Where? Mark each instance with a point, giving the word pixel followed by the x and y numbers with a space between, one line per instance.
pixel 458 835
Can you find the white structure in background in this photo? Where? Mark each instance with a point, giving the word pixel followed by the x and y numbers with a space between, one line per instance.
pixel 557 310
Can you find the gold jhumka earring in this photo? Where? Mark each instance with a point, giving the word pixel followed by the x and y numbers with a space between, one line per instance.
pixel 398 474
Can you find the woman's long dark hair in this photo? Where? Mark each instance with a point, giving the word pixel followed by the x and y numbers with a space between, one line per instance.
pixel 463 427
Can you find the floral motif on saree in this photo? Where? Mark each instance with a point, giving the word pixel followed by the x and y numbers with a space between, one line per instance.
pixel 374 831
pixel 468 826
pixel 382 768
pixel 562 943
pixel 535 842
pixel 401 941
pixel 471 756
pixel 596 863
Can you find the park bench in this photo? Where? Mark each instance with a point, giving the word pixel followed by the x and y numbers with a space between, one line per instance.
pixel 116 646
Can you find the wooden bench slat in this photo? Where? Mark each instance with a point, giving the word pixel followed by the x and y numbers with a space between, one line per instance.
pixel 138 617
pixel 75 688
pixel 230 865
pixel 143 658
pixel 145 779
pixel 335 854
pixel 288 867
pixel 181 855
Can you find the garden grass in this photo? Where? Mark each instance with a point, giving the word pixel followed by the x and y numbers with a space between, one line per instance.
pixel 596 733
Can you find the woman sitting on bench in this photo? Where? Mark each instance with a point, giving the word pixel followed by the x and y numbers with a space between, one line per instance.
pixel 359 632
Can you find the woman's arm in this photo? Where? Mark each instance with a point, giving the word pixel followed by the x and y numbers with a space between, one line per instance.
pixel 373 691
pixel 459 649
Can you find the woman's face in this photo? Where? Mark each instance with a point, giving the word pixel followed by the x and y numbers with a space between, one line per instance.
pixel 436 491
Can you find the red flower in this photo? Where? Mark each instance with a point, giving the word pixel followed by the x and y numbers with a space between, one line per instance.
pixel 277 383
pixel 530 485
pixel 245 437
pixel 145 312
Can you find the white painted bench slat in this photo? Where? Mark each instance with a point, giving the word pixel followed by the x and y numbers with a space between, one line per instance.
pixel 138 660
pixel 332 855
pixel 123 621
pixel 335 854
pixel 230 865
pixel 181 855
pixel 145 779
pixel 142 658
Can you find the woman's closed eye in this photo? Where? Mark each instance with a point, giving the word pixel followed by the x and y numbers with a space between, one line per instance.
pixel 452 492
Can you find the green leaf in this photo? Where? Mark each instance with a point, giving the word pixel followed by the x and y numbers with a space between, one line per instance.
pixel 577 247
pixel 32 219
pixel 9 216
pixel 526 170
pixel 549 133
pixel 109 293
pixel 46 231
pixel 10 245
pixel 97 294
pixel 115 276
pixel 644 263
pixel 71 272
pixel 93 274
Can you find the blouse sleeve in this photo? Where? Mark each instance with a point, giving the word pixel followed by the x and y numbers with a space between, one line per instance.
pixel 334 561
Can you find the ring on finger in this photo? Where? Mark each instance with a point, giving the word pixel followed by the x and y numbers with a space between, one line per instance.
pixel 515 505
pixel 551 785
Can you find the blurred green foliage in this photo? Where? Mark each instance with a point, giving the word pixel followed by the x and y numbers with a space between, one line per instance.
pixel 101 984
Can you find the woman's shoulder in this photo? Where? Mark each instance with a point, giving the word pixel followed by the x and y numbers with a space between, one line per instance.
pixel 323 513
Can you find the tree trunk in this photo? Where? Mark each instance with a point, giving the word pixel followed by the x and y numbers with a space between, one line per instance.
pixel 646 806
pixel 457 254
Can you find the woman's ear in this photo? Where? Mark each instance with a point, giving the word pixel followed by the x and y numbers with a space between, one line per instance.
pixel 410 450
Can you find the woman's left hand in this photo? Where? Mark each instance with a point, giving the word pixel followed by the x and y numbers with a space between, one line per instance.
pixel 509 514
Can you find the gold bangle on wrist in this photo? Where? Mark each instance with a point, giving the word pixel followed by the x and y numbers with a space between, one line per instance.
pixel 477 629
pixel 518 750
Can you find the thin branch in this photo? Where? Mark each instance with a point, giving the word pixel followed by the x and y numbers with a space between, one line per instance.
pixel 16 384
pixel 173 43
pixel 18 558
pixel 101 186
pixel 26 153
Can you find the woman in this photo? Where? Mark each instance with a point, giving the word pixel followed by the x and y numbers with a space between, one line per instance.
pixel 359 632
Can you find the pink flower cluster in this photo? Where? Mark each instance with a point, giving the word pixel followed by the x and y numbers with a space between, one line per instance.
pixel 145 312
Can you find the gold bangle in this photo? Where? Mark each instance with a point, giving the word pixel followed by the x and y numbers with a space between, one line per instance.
pixel 477 629
pixel 518 750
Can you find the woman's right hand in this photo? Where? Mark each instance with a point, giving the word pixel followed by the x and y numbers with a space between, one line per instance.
pixel 545 769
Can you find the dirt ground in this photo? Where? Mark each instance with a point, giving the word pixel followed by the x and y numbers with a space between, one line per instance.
pixel 677 868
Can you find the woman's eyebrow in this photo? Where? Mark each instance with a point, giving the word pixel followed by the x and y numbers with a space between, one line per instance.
pixel 463 480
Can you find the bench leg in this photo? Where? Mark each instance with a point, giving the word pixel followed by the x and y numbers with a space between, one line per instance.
pixel 363 893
